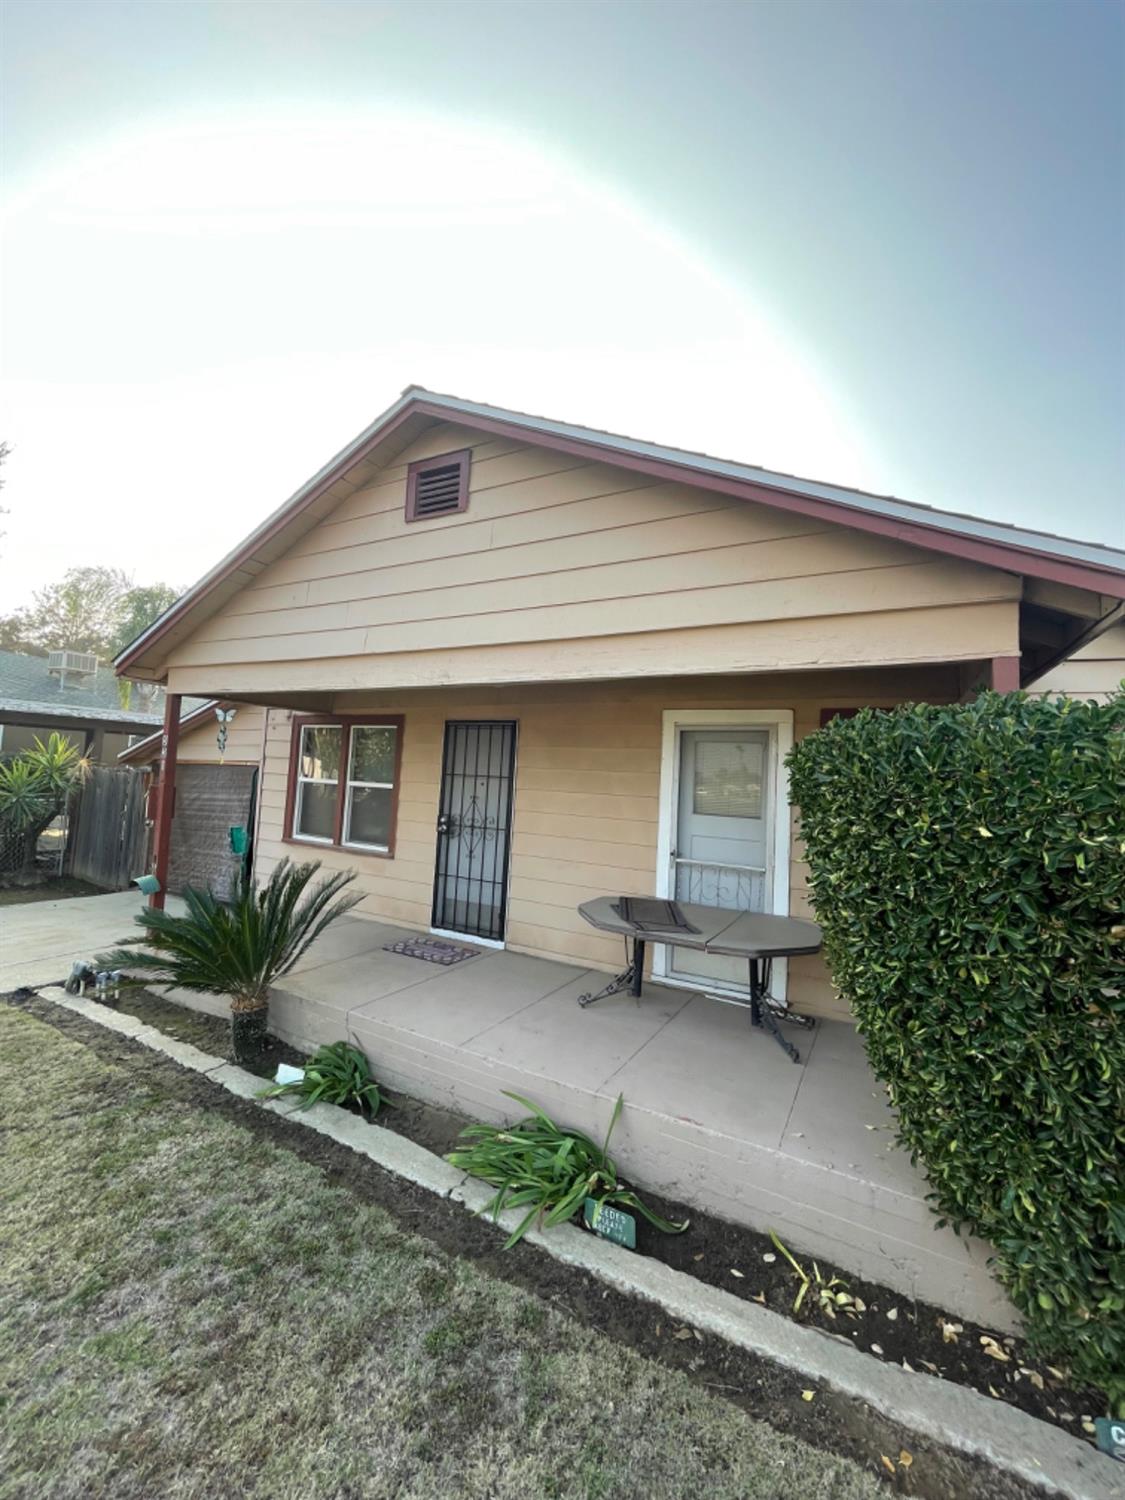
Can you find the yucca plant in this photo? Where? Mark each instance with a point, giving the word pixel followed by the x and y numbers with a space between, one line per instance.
pixel 551 1172
pixel 240 948
pixel 335 1074
pixel 35 787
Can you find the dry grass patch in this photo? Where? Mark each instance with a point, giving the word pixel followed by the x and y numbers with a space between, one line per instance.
pixel 192 1311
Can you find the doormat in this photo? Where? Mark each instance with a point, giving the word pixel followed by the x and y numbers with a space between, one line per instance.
pixel 431 950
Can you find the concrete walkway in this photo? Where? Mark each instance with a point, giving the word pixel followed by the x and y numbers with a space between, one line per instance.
pixel 40 941
pixel 716 1116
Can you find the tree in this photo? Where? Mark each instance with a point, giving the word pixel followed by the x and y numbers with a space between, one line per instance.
pixel 12 637
pixel 139 607
pixel 80 613
pixel 94 608
pixel 34 788
pixel 238 950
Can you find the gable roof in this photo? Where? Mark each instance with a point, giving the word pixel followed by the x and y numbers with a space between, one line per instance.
pixel 1086 565
pixel 28 688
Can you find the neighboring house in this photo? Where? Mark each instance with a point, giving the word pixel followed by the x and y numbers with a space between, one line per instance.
pixel 506 664
pixel 74 694
pixel 215 792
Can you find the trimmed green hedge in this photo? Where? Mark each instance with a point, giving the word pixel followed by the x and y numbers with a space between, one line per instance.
pixel 968 868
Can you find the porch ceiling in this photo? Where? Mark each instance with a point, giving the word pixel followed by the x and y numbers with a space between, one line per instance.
pixel 339 694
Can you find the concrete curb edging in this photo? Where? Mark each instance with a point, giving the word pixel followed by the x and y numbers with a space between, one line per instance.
pixel 958 1418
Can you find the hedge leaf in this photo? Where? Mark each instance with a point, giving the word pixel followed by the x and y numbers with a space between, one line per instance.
pixel 968 868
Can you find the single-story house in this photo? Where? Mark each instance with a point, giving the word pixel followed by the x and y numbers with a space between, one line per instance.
pixel 500 664
pixel 74 694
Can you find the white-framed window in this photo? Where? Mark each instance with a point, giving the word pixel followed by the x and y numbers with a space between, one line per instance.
pixel 369 800
pixel 318 782
pixel 344 775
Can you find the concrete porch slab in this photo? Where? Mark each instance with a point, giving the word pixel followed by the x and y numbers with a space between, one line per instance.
pixel 710 1068
pixel 456 1004
pixel 593 1043
pixel 715 1114
pixel 347 939
pixel 39 942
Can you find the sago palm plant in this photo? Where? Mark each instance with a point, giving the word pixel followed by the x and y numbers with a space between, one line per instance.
pixel 240 948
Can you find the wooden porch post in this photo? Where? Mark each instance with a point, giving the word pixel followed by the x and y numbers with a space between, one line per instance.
pixel 165 796
pixel 1004 674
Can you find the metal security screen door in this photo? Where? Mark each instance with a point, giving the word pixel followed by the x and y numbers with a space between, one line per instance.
pixel 474 829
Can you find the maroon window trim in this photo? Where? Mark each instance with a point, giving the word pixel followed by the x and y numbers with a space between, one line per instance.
pixel 345 722
pixel 422 466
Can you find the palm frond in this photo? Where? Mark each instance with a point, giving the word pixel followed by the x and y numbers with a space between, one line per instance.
pixel 239 949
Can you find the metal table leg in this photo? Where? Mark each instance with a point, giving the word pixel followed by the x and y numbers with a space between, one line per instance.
pixel 631 977
pixel 760 1012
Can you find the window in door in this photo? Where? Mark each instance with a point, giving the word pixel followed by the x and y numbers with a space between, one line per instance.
pixel 723 839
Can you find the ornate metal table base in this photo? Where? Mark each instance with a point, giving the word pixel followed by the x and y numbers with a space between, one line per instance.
pixel 762 1007
pixel 765 1011
pixel 781 1012
pixel 629 979
pixel 758 937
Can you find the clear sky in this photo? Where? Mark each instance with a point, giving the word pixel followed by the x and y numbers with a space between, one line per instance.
pixel 878 242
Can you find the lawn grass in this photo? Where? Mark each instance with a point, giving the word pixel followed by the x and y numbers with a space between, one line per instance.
pixel 192 1311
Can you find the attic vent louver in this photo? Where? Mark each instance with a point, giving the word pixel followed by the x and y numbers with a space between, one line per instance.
pixel 438 486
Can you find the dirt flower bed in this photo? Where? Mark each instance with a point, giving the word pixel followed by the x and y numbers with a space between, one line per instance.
pixel 576 1439
pixel 55 888
pixel 881 1322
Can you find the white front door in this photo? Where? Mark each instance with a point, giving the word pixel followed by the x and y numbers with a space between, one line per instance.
pixel 724 828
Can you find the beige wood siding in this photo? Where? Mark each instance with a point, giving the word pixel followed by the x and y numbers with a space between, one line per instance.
pixel 563 568
pixel 199 745
pixel 1095 671
pixel 586 796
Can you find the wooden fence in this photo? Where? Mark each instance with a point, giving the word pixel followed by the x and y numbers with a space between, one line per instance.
pixel 108 837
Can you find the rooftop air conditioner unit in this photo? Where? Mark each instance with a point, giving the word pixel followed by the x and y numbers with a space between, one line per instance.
pixel 74 663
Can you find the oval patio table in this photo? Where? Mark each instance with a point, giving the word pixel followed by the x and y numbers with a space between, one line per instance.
pixel 757 937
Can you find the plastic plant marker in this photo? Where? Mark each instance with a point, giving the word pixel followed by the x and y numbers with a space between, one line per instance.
pixel 611 1224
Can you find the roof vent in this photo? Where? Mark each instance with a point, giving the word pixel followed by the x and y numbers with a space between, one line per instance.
pixel 74 663
pixel 438 486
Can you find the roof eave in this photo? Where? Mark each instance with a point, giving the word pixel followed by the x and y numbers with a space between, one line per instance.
pixel 350 455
